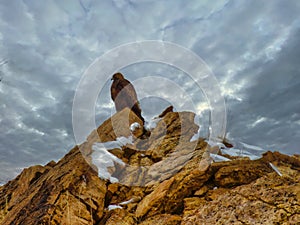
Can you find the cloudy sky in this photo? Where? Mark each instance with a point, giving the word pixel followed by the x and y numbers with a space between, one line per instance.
pixel 252 47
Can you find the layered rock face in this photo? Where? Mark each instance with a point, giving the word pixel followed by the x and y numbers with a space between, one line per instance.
pixel 164 179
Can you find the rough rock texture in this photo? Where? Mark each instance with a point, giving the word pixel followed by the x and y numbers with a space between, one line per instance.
pixel 166 180
pixel 58 193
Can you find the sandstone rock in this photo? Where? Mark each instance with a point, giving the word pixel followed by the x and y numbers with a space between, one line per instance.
pixel 169 195
pixel 165 219
pixel 191 205
pixel 167 110
pixel 166 151
pixel 240 172
pixel 116 126
pixel 166 180
pixel 201 191
pixel 294 161
pixel 270 199
pixel 118 217
pixel 68 191
pixel 152 203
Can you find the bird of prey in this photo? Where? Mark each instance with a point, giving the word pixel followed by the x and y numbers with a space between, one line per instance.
pixel 123 94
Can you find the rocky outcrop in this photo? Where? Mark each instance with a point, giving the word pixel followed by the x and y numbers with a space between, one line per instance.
pixel 67 192
pixel 165 179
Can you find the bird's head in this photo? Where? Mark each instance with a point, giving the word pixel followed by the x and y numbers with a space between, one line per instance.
pixel 117 76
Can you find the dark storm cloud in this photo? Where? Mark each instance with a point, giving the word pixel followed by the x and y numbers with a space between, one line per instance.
pixel 271 106
pixel 251 46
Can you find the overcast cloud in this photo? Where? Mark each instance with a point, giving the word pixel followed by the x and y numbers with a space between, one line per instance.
pixel 252 47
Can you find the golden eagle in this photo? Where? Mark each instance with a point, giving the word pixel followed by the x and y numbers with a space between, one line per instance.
pixel 123 94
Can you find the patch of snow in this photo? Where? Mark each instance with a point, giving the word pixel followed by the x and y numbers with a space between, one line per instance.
pixel 112 207
pixel 213 143
pixel 127 202
pixel 134 126
pixel 151 124
pixel 241 149
pixel 113 180
pixel 121 141
pixel 124 141
pixel 276 169
pixel 103 159
pixel 239 152
pixel 84 178
pixel 195 136
pixel 199 121
pixel 111 144
pixel 218 158
pixel 253 147
pixel 252 150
